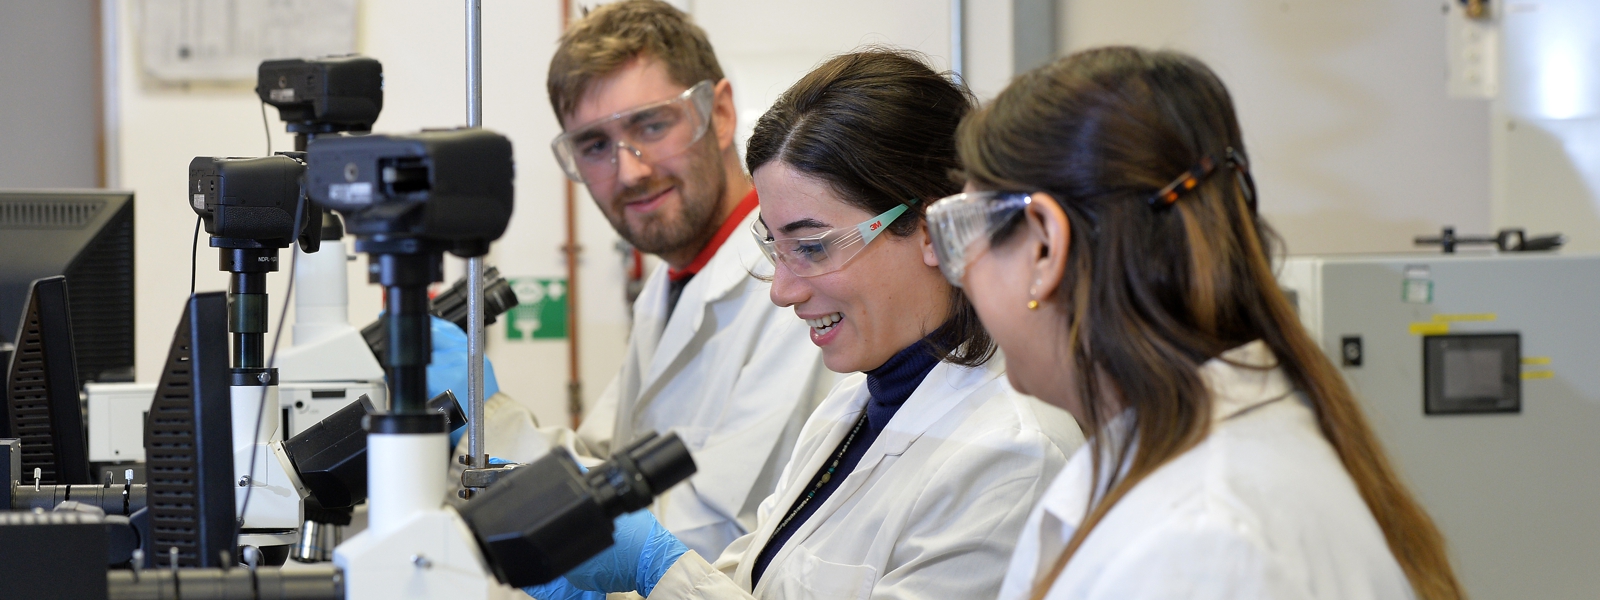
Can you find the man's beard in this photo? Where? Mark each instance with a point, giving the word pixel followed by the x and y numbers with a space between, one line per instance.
pixel 666 232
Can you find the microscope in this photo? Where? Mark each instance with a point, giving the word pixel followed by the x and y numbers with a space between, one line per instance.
pixel 326 366
pixel 253 207
pixel 408 199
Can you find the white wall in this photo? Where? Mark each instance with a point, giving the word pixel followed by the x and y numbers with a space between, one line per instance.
pixel 1546 124
pixel 765 46
pixel 51 115
pixel 1354 144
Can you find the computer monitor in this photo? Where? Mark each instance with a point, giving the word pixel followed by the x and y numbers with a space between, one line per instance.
pixel 42 407
pixel 188 443
pixel 86 236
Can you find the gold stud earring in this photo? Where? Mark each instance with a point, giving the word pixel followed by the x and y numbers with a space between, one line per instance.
pixel 1033 305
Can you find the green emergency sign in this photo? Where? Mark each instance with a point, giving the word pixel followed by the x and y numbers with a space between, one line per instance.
pixel 541 312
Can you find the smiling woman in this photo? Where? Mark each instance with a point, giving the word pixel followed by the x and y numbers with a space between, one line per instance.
pixel 856 140
pixel 914 478
pixel 845 164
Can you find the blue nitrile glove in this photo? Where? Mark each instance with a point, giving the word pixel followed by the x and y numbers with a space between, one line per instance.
pixel 559 589
pixel 641 552
pixel 448 368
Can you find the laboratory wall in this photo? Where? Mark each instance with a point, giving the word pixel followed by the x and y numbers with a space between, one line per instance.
pixel 1546 121
pixel 1354 143
pixel 50 102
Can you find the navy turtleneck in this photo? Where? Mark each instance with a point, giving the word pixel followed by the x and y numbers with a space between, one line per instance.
pixel 888 386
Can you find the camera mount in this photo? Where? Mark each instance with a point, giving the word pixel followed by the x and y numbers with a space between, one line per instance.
pixel 408 199
pixel 323 95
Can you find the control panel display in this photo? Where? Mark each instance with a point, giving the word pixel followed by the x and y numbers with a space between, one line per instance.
pixel 1472 373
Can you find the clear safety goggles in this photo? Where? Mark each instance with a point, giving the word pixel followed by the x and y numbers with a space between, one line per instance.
pixel 825 252
pixel 652 133
pixel 962 225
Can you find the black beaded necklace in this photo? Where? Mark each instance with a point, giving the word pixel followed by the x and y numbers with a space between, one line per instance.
pixel 826 475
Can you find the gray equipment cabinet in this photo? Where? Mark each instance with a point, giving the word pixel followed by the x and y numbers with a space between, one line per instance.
pixel 1481 376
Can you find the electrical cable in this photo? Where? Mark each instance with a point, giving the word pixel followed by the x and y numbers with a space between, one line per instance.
pixel 261 406
pixel 267 128
pixel 272 357
pixel 194 252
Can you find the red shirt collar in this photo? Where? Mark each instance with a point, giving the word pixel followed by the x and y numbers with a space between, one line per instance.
pixel 741 211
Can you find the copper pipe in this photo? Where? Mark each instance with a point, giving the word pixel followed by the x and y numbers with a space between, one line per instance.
pixel 571 249
pixel 101 139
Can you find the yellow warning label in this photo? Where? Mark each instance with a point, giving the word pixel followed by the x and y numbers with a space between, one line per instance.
pixel 1429 328
pixel 1456 317
pixel 1538 374
pixel 1536 360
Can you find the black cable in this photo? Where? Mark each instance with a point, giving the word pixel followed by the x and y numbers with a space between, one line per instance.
pixel 266 128
pixel 272 357
pixel 194 252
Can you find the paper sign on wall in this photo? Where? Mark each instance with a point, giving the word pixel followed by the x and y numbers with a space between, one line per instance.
pixel 206 40
pixel 542 310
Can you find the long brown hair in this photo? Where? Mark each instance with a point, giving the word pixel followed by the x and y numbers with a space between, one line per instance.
pixel 878 126
pixel 1150 293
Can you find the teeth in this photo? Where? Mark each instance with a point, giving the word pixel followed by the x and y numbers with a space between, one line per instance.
pixel 825 323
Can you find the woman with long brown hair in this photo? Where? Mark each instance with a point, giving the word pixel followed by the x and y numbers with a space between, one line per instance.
pixel 1109 240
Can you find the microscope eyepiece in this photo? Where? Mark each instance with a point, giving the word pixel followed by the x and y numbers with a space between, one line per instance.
pixel 545 518
pixel 640 472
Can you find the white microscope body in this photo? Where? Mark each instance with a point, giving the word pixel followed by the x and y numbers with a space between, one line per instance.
pixel 330 364
pixel 328 367
pixel 414 547
pixel 274 491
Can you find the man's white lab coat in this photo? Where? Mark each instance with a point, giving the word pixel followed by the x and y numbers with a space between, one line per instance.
pixel 931 511
pixel 1262 508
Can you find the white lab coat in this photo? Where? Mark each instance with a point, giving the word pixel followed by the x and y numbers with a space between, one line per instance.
pixel 932 510
pixel 1262 508
pixel 733 374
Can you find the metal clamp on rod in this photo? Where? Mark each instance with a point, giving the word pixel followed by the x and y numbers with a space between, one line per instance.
pixel 1512 239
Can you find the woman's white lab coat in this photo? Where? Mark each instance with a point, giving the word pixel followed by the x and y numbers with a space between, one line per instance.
pixel 931 511
pixel 1262 508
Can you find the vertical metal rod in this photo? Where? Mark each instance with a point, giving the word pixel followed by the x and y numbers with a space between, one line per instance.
pixel 474 63
pixel 475 346
pixel 958 58
pixel 475 385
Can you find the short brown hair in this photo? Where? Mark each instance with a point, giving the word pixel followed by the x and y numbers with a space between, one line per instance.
pixel 879 127
pixel 609 36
